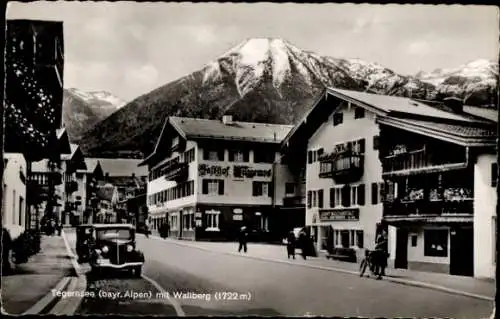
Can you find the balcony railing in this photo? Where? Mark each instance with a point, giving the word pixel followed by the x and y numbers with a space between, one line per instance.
pixel 417 160
pixel 344 167
pixel 428 208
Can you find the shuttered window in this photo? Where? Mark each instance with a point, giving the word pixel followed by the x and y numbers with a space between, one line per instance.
pixel 320 198
pixel 376 142
pixel 332 197
pixel 361 195
pixel 375 193
pixel 346 196
pixel 309 199
pixel 494 174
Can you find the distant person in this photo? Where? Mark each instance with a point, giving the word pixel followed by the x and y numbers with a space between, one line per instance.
pixel 243 239
pixel 59 228
pixel 290 244
pixel 303 243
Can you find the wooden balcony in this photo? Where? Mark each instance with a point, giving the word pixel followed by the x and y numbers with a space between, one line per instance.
pixel 429 211
pixel 418 161
pixel 346 167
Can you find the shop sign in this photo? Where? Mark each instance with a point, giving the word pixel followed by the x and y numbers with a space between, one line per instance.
pixel 339 214
pixel 198 223
pixel 213 170
pixel 246 171
pixel 197 215
pixel 237 217
pixel 237 211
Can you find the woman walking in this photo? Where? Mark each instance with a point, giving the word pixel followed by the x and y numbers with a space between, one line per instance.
pixel 290 244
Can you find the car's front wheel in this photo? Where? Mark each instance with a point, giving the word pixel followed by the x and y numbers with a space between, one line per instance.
pixel 138 272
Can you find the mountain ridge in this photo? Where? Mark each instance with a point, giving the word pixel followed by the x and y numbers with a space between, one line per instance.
pixel 260 80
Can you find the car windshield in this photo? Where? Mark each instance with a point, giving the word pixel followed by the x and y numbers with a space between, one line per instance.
pixel 114 234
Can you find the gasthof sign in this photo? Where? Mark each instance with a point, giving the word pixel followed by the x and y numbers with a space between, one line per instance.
pixel 214 170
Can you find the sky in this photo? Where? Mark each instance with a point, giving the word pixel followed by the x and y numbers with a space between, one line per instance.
pixel 129 49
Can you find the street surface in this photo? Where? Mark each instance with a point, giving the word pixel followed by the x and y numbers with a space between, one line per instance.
pixel 258 287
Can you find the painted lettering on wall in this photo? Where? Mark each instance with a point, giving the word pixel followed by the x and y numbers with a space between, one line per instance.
pixel 213 170
pixel 246 171
pixel 339 214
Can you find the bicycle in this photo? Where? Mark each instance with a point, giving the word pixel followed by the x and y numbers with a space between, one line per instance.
pixel 368 262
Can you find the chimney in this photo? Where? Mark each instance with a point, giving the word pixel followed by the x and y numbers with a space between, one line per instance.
pixel 227 119
pixel 455 104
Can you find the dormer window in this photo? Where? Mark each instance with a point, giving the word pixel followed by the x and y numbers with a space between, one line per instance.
pixel 338 118
pixel 175 141
pixel 238 156
pixel 359 113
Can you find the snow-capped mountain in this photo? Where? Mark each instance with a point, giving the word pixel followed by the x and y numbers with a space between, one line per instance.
pixel 82 110
pixel 476 82
pixel 260 80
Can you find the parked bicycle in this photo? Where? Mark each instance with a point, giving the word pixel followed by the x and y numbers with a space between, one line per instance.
pixel 370 263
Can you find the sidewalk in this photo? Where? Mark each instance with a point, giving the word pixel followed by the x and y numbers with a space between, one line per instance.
pixel 32 281
pixel 482 288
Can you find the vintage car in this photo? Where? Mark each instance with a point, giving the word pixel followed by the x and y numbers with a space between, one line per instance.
pixel 83 242
pixel 114 248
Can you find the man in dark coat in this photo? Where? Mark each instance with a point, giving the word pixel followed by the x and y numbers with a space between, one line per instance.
pixel 290 244
pixel 243 239
pixel 381 250
pixel 303 243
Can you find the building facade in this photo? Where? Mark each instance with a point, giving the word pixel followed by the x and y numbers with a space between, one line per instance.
pixel 207 178
pixel 388 163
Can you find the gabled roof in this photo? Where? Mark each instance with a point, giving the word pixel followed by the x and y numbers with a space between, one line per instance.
pixel 417 113
pixel 40 166
pixel 63 140
pixel 125 181
pixel 73 148
pixel 91 164
pixel 216 129
pixel 489 114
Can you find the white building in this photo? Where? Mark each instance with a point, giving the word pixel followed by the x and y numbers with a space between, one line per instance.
pixel 410 159
pixel 207 178
pixel 14 190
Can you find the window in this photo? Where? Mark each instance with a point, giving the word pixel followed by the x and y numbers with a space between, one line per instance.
pixel 359 238
pixel 14 206
pixel 21 204
pixel 414 240
pixel 213 187
pixel 238 156
pixel 264 223
pixel 212 217
pixel 494 174
pixel 361 195
pixel 261 189
pixel 335 197
pixel 290 188
pixel 175 141
pixel 188 220
pixel 494 226
pixel 375 194
pixel 359 113
pixel 354 195
pixel 309 157
pixel 213 155
pixel 320 198
pixel 338 118
pixel 376 142
pixel 189 156
pixel 309 199
pixel 436 242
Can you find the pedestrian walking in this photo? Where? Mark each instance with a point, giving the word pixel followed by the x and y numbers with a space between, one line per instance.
pixel 290 244
pixel 59 228
pixel 243 239
pixel 303 243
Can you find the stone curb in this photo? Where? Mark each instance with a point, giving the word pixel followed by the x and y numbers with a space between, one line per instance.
pixel 394 280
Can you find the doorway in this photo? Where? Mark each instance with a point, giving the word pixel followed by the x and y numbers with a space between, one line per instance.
pixel 462 251
pixel 401 259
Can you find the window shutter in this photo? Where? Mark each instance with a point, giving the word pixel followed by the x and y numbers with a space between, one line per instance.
pixel 254 188
pixel 332 197
pixel 309 157
pixel 221 187
pixel 231 155
pixel 374 193
pixel 205 154
pixel 346 196
pixel 320 198
pixel 270 189
pixel 494 174
pixel 376 142
pixel 361 195
pixel 362 146
pixel 246 156
pixel 220 155
pixel 309 199
pixel 205 186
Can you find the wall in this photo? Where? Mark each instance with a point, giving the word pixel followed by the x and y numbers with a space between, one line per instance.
pixel 485 200
pixel 326 137
pixel 236 190
pixel 416 254
pixel 14 211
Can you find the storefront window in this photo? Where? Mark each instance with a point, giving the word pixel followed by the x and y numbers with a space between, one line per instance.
pixel 212 220
pixel 344 238
pixel 359 238
pixel 436 242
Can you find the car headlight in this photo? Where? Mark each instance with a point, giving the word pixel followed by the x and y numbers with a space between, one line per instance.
pixel 105 249
pixel 130 248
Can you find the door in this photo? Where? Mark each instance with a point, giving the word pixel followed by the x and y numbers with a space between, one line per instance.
pixel 462 252
pixel 401 258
